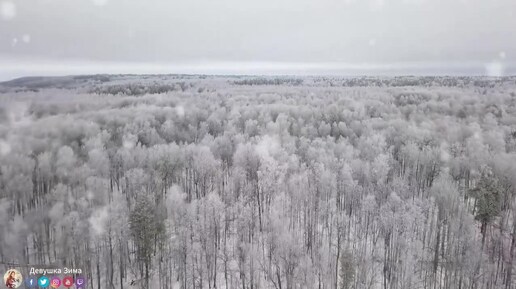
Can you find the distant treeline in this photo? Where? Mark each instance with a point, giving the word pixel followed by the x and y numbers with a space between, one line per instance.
pixel 400 81
pixel 136 89
pixel 269 81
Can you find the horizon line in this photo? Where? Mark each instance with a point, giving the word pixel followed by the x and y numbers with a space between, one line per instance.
pixel 13 69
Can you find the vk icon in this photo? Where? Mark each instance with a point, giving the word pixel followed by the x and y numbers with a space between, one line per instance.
pixel 43 282
pixel 31 282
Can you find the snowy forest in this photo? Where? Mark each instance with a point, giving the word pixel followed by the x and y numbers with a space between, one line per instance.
pixel 248 182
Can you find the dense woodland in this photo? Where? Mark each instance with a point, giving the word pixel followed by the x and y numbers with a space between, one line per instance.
pixel 243 182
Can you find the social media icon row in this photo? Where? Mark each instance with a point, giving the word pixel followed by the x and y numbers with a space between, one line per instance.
pixel 55 282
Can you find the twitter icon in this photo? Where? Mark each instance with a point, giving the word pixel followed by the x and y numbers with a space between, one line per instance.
pixel 43 282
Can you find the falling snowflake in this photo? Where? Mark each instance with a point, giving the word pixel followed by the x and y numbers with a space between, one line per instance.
pixel 5 148
pixel 26 38
pixel 129 141
pixel 415 2
pixel 99 2
pixel 376 5
pixel 494 69
pixel 7 10
pixel 180 110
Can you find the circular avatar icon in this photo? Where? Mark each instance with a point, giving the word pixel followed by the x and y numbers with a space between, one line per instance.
pixel 80 282
pixel 13 278
pixel 55 282
pixel 43 282
pixel 68 281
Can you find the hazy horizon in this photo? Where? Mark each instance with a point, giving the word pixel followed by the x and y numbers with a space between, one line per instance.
pixel 375 37
pixel 14 70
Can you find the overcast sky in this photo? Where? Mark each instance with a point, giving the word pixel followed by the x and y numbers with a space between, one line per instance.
pixel 257 36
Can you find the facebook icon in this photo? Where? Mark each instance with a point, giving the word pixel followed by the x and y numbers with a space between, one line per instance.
pixel 31 282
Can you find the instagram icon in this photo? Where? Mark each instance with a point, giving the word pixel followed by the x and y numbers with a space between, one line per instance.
pixel 55 282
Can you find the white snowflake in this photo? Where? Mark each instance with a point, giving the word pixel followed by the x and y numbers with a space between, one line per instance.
pixel 376 5
pixel 7 10
pixel 99 2
pixel 26 38
pixel 494 69
pixel 180 110
pixel 5 148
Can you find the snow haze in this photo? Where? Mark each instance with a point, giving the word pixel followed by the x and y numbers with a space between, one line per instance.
pixel 52 37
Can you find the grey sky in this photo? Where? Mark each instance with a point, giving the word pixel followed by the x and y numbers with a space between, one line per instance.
pixel 63 36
